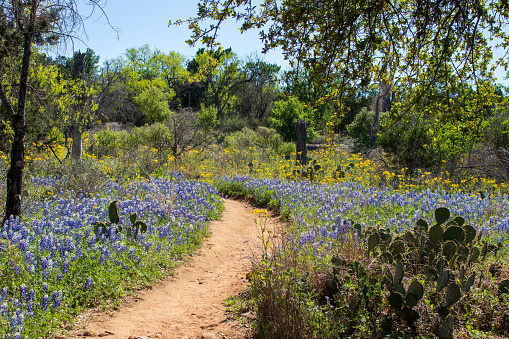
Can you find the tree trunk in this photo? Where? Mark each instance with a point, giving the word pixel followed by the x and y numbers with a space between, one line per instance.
pixel 77 150
pixel 15 172
pixel 382 103
pixel 78 73
pixel 301 132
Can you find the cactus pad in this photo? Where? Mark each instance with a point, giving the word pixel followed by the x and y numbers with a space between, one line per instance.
pixel 386 257
pixel 409 315
pixel 454 233
pixel 133 217
pixel 460 221
pixel 113 212
pixel 474 254
pixel 469 283
pixel 396 300
pixel 411 300
pixel 470 233
pixel 503 287
pixel 373 241
pixel 452 295
pixel 422 225
pixel 443 279
pixel 449 250
pixel 442 214
pixel 416 289
pixel 436 233
pixel 397 247
pixel 398 273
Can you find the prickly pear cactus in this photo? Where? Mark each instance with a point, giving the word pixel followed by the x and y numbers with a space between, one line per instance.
pixel 113 212
pixel 441 255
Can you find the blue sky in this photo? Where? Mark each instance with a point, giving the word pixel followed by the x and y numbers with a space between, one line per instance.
pixel 146 22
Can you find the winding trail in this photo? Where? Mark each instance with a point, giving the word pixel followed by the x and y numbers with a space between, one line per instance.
pixel 190 303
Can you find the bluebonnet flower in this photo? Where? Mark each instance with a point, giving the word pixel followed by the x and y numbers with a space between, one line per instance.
pixel 14 323
pixel 22 292
pixel 56 299
pixel 5 291
pixel 45 303
pixel 30 308
pixel 88 284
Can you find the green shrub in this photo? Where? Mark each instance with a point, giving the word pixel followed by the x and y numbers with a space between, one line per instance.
pixel 268 138
pixel 408 141
pixel 206 119
pixel 107 142
pixel 497 134
pixel 157 136
pixel 361 130
pixel 286 113
pixel 153 102
pixel 234 123
pixel 263 137
pixel 241 140
pixel 110 143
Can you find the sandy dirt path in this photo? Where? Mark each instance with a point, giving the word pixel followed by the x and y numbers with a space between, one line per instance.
pixel 190 303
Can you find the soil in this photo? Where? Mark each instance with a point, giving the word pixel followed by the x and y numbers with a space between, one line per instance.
pixel 190 304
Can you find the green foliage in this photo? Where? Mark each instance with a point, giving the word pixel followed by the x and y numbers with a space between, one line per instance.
pixel 286 113
pixel 427 47
pixel 497 134
pixel 206 119
pixel 220 71
pixel 268 138
pixel 156 136
pixel 361 130
pixel 241 140
pixel 408 141
pixel 262 137
pixel 110 143
pixel 106 142
pixel 192 130
pixel 154 104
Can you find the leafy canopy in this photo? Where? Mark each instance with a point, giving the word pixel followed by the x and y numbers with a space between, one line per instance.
pixel 409 44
